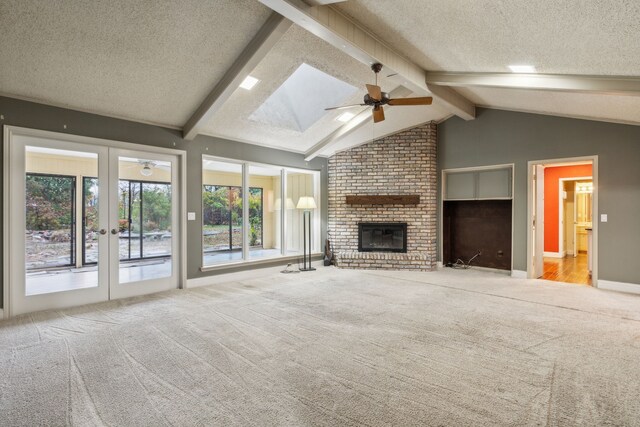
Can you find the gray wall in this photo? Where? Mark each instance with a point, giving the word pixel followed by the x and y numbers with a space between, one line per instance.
pixel 497 137
pixel 38 116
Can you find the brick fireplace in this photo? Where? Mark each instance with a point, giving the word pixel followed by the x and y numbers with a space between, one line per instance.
pixel 396 165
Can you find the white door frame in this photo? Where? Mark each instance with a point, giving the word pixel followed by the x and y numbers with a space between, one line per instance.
pixel 561 233
pixel 537 223
pixel 11 131
pixel 530 201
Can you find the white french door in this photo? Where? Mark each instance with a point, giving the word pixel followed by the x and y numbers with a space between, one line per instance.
pixel 143 214
pixel 89 223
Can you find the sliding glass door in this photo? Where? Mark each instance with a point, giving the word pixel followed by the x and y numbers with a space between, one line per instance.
pixel 50 221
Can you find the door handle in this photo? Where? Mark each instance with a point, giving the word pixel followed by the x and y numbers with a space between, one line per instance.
pixel 114 231
pixel 103 231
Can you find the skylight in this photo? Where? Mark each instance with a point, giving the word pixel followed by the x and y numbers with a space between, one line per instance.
pixel 300 101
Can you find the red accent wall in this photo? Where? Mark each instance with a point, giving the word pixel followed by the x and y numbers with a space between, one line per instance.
pixel 552 177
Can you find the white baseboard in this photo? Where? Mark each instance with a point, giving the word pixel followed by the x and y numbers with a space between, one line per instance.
pixel 438 265
pixel 241 275
pixel 619 286
pixel 555 254
pixel 518 274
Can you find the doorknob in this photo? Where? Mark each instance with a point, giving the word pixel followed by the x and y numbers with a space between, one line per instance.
pixel 114 231
pixel 103 231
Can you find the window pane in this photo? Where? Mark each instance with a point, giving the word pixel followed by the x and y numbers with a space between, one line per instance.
pixel 301 185
pixel 265 211
pixel 221 212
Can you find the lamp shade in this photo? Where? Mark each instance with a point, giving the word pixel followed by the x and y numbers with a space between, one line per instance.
pixel 306 202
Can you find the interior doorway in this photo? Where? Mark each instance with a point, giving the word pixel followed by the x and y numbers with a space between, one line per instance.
pixel 562 220
pixel 89 221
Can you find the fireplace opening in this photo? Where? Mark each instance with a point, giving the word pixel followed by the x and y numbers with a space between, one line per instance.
pixel 382 237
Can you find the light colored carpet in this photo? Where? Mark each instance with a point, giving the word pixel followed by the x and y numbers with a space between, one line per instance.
pixel 334 347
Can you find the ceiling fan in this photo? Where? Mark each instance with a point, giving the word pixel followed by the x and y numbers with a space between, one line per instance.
pixel 376 98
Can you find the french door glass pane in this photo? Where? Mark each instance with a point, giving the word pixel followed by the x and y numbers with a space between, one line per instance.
pixel 265 211
pixel 221 212
pixel 144 219
pixel 51 209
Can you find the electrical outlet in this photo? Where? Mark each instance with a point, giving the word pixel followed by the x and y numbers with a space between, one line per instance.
pixel 191 216
pixel 604 218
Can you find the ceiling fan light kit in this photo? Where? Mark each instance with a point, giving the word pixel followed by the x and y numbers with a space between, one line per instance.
pixel 376 98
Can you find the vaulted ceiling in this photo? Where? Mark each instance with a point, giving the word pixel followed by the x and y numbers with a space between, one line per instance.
pixel 178 64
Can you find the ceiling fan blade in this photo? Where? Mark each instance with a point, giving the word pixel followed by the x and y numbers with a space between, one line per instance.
pixel 374 92
pixel 427 100
pixel 378 114
pixel 344 106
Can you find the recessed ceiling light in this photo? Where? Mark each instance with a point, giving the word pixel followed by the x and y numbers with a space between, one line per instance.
pixel 345 117
pixel 522 68
pixel 249 82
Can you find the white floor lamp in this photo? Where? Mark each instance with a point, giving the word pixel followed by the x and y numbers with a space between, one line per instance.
pixel 307 203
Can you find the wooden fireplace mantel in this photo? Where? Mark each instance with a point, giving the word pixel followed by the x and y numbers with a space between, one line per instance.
pixel 401 199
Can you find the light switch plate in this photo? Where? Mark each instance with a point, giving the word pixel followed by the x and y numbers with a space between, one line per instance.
pixel 603 218
pixel 191 216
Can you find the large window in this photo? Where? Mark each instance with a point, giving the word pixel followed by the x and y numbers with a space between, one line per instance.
pixel 273 224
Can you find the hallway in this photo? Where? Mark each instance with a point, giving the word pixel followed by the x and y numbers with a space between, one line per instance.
pixel 567 269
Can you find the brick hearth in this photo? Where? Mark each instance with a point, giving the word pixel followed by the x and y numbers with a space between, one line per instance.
pixel 403 163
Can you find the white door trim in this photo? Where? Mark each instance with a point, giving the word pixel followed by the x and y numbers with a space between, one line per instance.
pixel 10 131
pixel 530 195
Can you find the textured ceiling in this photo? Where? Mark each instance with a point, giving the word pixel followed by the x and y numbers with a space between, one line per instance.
pixel 145 60
pixel 624 109
pixel 566 37
pixel 155 61
pixel 296 47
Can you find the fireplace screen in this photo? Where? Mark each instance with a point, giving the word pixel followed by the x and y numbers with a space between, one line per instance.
pixel 382 237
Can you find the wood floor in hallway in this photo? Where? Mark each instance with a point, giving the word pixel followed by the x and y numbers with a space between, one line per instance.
pixel 568 269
